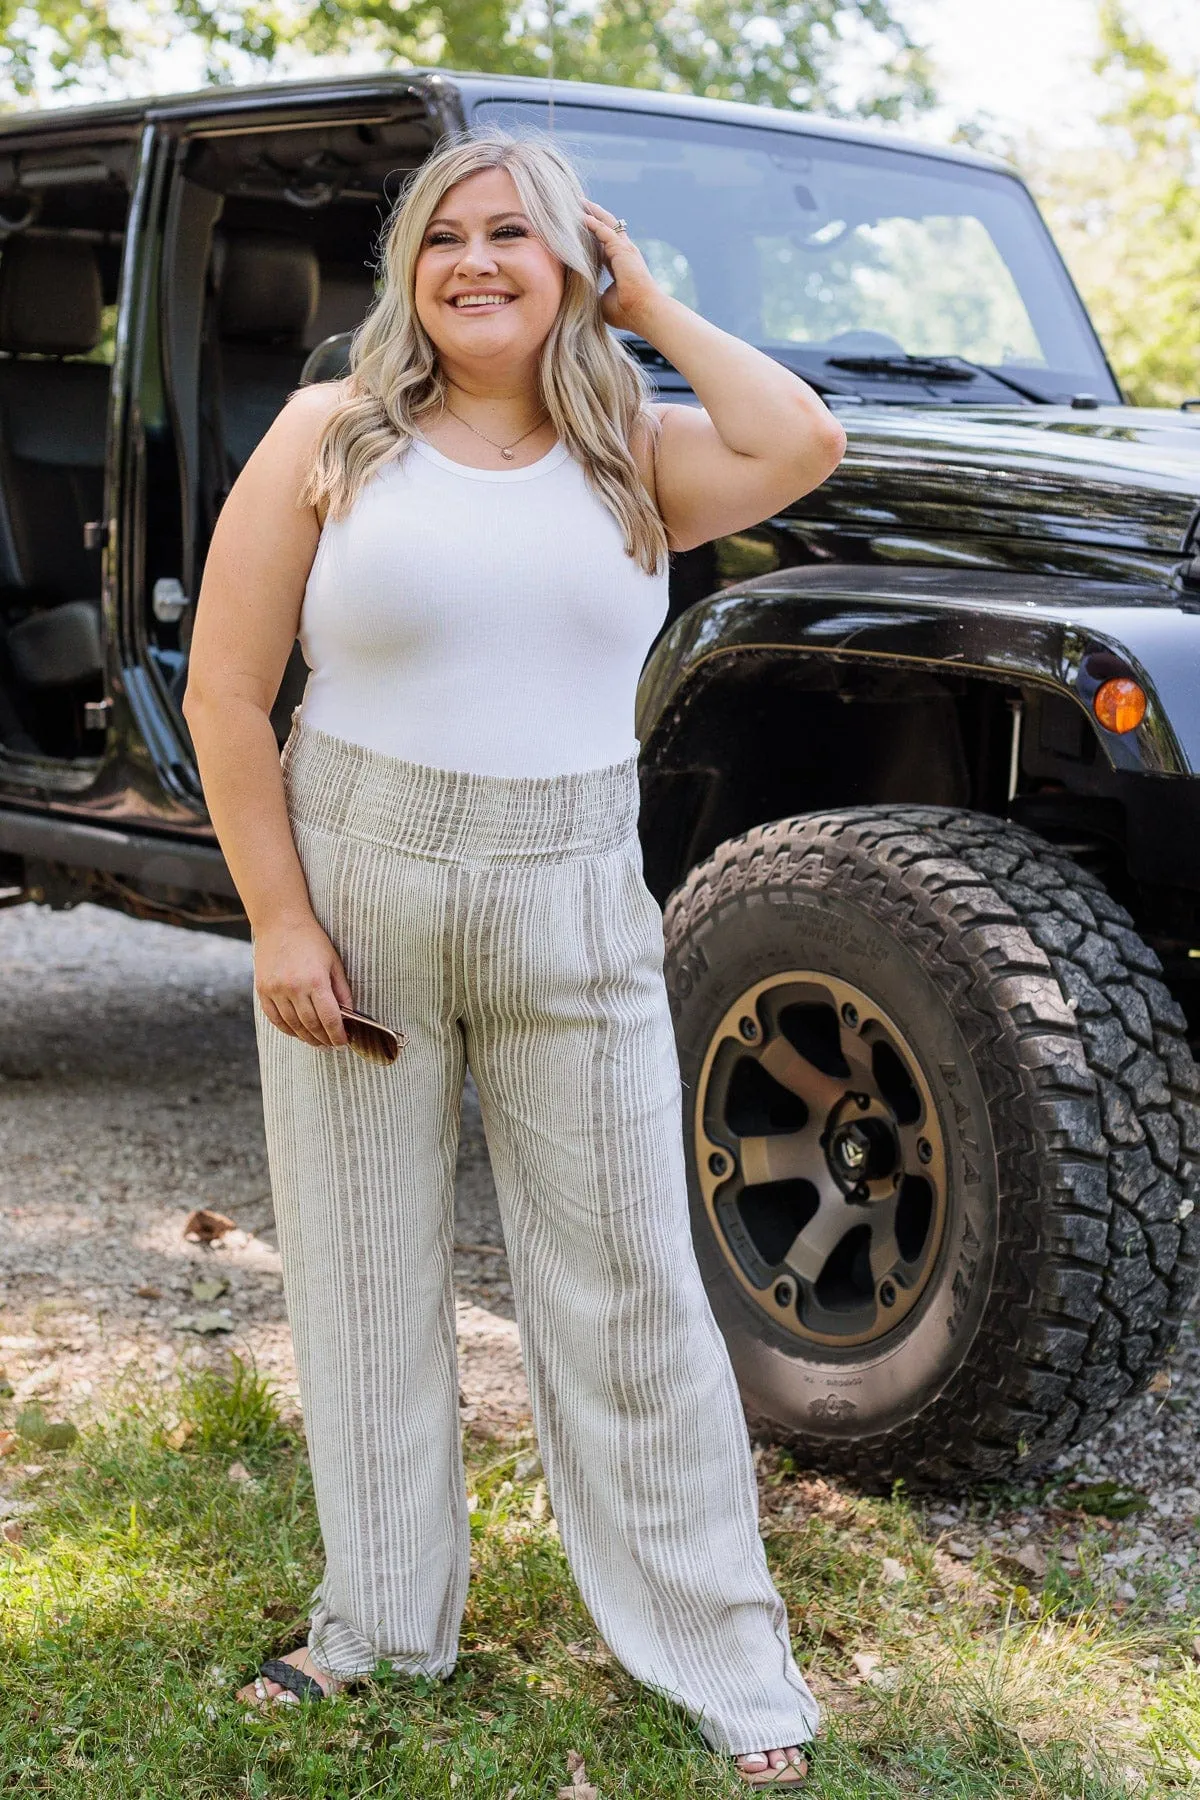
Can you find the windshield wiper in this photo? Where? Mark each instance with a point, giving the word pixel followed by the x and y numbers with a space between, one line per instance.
pixel 930 368
pixel 656 362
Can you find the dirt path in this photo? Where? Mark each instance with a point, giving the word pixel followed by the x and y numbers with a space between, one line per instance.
pixel 128 1097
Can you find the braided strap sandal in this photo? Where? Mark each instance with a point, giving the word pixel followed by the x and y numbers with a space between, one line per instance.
pixel 295 1683
pixel 789 1774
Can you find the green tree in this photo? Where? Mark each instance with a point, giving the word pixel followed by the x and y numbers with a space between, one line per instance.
pixel 56 43
pixel 1127 214
pixel 775 52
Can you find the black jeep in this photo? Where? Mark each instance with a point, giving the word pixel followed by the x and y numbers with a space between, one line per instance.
pixel 921 756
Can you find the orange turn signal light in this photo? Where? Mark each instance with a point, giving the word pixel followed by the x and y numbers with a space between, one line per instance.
pixel 1120 704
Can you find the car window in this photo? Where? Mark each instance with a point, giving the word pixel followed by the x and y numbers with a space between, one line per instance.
pixel 937 284
pixel 796 239
pixel 671 269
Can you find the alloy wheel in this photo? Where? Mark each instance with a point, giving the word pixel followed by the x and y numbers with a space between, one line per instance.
pixel 821 1158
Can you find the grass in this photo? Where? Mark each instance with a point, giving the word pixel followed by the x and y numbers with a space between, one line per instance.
pixel 147 1584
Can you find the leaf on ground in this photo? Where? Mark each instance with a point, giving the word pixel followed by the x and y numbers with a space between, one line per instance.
pixel 36 1428
pixel 148 1291
pixel 204 1226
pixel 9 1442
pixel 210 1287
pixel 1033 1558
pixel 892 1570
pixel 866 1662
pixel 178 1436
pixel 10 1531
pixel 206 1323
pixel 1107 1499
pixel 209 1322
pixel 580 1787
pixel 59 1436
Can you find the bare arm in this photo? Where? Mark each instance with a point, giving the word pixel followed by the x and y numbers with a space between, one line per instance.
pixel 761 436
pixel 247 616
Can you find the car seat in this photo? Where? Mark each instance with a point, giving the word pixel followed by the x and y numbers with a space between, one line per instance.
pixel 53 422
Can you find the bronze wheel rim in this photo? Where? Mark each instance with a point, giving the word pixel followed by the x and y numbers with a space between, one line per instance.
pixel 821 1159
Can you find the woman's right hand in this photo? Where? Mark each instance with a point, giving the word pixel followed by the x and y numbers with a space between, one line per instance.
pixel 300 982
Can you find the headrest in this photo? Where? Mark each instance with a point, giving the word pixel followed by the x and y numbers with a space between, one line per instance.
pixel 267 288
pixel 50 296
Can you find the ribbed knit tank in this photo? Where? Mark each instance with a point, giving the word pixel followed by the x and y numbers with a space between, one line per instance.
pixel 478 619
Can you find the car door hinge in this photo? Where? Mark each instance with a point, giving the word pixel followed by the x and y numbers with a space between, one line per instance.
pixel 95 534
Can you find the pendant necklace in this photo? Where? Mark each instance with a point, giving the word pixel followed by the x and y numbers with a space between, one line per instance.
pixel 505 450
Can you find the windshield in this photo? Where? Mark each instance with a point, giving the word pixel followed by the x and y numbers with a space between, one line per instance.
pixel 811 244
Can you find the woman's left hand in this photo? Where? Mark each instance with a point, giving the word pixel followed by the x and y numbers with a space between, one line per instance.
pixel 633 286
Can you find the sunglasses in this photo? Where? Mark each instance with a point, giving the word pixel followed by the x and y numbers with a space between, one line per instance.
pixel 374 1042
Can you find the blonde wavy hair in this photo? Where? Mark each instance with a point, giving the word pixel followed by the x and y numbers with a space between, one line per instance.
pixel 593 390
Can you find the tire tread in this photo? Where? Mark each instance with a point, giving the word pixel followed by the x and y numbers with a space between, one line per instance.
pixel 1105 1236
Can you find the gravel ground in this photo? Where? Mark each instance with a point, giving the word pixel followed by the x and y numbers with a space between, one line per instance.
pixel 129 1096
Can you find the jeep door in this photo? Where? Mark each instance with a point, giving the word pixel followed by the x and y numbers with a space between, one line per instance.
pixel 261 244
pixel 65 205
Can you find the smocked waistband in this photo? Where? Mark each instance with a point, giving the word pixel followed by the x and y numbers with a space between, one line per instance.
pixel 345 788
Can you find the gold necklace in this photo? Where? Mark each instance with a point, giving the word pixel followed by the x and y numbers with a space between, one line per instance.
pixel 505 450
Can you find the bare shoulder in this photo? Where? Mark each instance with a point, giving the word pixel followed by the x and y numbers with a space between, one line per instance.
pixel 302 418
pixel 280 462
pixel 292 437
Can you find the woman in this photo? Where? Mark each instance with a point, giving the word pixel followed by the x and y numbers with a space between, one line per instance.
pixel 470 533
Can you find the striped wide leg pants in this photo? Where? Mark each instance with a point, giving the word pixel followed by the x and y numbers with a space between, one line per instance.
pixel 504 924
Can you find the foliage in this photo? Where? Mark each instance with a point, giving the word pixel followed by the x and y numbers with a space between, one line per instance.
pixel 151 1574
pixel 775 52
pixel 74 43
pixel 1127 214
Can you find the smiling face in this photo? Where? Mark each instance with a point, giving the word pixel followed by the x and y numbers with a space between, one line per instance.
pixel 487 288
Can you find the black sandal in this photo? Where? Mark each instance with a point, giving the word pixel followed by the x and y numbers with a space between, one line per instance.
pixel 295 1683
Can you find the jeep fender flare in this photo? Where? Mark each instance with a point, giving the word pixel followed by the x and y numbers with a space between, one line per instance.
pixel 1062 633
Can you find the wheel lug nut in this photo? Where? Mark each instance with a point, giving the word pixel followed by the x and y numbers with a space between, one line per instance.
pixel 850 1015
pixel 748 1028
pixel 887 1293
pixel 718 1163
pixel 925 1150
pixel 785 1293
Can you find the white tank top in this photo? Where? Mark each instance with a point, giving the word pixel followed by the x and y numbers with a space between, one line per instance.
pixel 477 619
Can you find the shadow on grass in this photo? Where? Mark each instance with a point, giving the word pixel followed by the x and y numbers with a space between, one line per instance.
pixel 149 1584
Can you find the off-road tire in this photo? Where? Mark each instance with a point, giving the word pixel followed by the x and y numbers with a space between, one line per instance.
pixel 1076 1067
